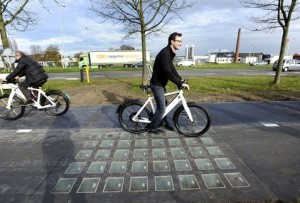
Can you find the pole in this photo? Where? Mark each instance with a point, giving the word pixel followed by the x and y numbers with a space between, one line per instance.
pixel 81 75
pixel 62 36
pixel 88 36
pixel 288 47
pixel 236 58
pixel 87 74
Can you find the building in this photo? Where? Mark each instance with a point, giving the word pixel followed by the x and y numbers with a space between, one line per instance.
pixel 251 57
pixel 296 56
pixel 228 57
pixel 220 57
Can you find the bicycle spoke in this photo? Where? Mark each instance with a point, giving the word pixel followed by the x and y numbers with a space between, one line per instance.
pixel 200 124
pixel 61 104
pixel 16 110
pixel 126 115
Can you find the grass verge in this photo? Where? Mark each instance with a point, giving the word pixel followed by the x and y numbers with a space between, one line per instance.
pixel 203 89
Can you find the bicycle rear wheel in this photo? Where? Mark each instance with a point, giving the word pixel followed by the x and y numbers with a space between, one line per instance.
pixel 61 101
pixel 201 122
pixel 126 113
pixel 17 108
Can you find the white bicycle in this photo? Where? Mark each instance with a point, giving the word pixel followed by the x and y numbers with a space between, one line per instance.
pixel 12 106
pixel 189 118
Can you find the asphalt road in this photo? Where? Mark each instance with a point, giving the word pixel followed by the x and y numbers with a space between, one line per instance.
pixel 250 154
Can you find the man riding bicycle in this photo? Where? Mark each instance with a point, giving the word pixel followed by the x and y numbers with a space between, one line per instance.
pixel 35 75
pixel 164 71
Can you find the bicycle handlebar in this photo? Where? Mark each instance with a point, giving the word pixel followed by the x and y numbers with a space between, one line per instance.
pixel 13 81
pixel 146 88
pixel 3 81
pixel 185 81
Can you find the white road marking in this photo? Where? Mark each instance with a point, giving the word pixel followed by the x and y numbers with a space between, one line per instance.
pixel 24 131
pixel 270 125
pixel 72 78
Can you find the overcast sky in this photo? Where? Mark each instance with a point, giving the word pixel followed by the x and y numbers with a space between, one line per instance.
pixel 210 25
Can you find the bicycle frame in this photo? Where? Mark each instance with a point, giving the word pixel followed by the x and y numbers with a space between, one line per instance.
pixel 37 102
pixel 179 98
pixel 16 91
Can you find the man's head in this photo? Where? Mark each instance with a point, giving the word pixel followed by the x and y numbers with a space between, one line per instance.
pixel 19 54
pixel 175 41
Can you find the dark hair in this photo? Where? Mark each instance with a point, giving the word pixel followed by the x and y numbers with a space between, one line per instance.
pixel 21 53
pixel 173 37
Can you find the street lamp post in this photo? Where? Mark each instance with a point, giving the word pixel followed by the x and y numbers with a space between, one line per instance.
pixel 62 35
pixel 288 47
pixel 88 36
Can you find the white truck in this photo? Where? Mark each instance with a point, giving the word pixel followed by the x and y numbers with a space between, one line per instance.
pixel 100 59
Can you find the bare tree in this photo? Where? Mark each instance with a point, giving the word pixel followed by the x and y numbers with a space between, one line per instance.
pixel 77 55
pixel 52 53
pixel 143 17
pixel 14 13
pixel 36 52
pixel 278 14
pixel 126 47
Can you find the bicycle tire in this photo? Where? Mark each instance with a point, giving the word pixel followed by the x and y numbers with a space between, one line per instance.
pixel 197 128
pixel 17 108
pixel 127 111
pixel 61 100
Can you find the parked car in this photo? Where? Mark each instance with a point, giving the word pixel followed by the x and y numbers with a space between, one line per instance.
pixel 139 64
pixel 186 63
pixel 259 63
pixel 288 64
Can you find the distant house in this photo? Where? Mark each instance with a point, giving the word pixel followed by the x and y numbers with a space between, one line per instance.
pixel 220 57
pixel 250 57
pixel 228 57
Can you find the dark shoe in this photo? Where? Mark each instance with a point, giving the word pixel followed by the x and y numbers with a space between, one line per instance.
pixel 156 131
pixel 168 127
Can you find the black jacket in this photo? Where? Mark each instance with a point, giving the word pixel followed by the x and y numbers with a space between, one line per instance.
pixel 164 70
pixel 29 68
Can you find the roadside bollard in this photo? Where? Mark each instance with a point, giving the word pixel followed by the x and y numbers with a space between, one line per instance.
pixel 81 75
pixel 87 74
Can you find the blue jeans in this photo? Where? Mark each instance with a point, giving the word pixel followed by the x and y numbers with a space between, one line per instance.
pixel 159 96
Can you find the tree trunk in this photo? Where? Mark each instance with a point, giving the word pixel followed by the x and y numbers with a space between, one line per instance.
pixel 281 56
pixel 3 34
pixel 144 51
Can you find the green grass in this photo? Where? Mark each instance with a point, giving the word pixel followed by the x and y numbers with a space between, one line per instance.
pixel 64 84
pixel 116 68
pixel 250 88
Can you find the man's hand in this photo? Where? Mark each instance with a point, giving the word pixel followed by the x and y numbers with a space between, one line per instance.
pixel 184 85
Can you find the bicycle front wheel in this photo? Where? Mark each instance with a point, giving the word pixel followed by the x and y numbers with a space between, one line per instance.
pixel 198 127
pixel 126 113
pixel 17 108
pixel 61 101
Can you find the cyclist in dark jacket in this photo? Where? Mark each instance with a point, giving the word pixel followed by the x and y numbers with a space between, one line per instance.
pixel 35 75
pixel 163 71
